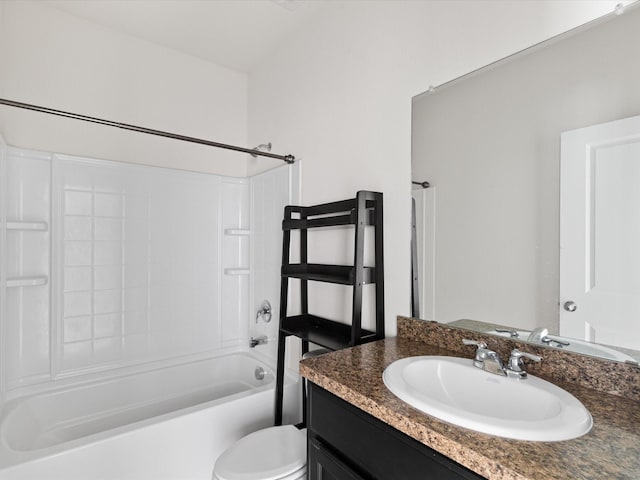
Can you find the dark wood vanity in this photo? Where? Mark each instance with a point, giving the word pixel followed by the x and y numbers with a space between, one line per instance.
pixel 346 443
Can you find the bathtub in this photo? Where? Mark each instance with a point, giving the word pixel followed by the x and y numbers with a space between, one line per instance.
pixel 168 423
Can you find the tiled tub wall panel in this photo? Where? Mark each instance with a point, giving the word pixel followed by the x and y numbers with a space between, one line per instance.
pixel 235 260
pixel 270 193
pixel 25 308
pixel 139 263
pixel 130 265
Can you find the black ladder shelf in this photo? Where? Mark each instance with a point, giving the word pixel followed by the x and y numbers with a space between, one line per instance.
pixel 362 211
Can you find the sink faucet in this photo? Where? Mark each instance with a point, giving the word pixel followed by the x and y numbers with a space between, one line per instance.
pixel 490 361
pixel 541 335
pixel 513 333
pixel 485 358
pixel 538 334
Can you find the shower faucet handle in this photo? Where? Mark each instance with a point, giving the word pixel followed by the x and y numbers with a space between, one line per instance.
pixel 264 312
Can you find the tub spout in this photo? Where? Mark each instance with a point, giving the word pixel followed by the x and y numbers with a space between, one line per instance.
pixel 258 341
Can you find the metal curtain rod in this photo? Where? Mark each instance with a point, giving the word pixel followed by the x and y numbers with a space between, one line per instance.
pixel 422 184
pixel 149 131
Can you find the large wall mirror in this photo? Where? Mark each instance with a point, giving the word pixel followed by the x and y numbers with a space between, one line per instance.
pixel 526 157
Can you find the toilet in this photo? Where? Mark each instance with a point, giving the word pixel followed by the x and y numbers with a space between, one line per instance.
pixel 274 453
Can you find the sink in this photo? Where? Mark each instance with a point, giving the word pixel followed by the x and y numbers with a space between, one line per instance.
pixel 455 391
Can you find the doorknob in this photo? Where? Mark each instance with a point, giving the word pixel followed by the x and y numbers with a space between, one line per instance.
pixel 570 306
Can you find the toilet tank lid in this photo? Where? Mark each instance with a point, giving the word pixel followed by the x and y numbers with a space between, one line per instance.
pixel 267 454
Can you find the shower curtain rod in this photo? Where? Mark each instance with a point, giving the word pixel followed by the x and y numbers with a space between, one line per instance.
pixel 148 131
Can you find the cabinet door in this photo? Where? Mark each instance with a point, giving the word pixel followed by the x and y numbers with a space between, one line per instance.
pixel 370 447
pixel 322 465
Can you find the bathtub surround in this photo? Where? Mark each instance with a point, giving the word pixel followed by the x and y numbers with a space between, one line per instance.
pixel 108 265
pixel 610 450
pixel 114 275
pixel 126 253
pixel 270 191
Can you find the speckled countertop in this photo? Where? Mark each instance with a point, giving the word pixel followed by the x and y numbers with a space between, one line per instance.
pixel 611 450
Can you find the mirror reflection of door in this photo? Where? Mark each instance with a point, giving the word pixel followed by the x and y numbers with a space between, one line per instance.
pixel 600 233
pixel 425 208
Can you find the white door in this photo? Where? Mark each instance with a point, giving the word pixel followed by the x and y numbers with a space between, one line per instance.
pixel 600 233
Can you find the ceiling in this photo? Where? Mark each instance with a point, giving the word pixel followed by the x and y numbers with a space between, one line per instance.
pixel 235 34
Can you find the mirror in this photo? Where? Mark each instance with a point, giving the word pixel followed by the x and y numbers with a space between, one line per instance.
pixel 489 145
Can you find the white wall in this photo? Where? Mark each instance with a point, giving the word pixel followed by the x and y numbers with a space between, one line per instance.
pixel 3 48
pixel 60 61
pixel 338 94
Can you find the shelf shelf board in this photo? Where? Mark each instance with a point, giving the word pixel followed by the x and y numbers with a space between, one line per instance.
pixel 340 274
pixel 27 226
pixel 237 232
pixel 27 281
pixel 326 221
pixel 237 271
pixel 323 332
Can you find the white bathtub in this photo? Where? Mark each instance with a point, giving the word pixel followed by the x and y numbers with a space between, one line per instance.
pixel 169 423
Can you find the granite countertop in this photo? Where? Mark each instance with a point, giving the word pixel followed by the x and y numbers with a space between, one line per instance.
pixel 611 450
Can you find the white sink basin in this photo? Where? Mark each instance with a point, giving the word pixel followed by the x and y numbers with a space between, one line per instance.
pixel 455 391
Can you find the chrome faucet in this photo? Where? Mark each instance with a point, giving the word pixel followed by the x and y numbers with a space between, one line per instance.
pixel 541 335
pixel 490 361
pixel 485 358
pixel 513 333
pixel 538 334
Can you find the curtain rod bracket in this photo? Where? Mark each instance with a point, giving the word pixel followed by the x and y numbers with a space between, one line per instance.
pixel 263 147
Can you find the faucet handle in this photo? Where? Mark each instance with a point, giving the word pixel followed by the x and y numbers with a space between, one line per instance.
pixel 481 353
pixel 264 312
pixel 554 342
pixel 513 333
pixel 514 367
pixel 519 354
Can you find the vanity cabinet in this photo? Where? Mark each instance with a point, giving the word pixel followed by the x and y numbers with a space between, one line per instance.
pixel 345 443
pixel 324 465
